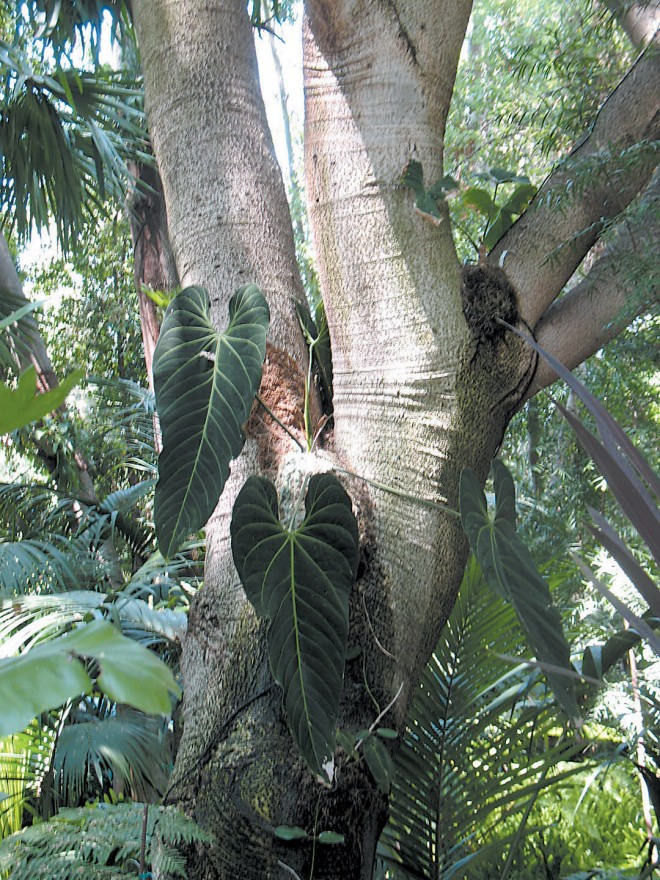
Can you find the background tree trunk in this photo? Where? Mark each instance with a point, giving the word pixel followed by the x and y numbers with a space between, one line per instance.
pixel 34 353
pixel 154 265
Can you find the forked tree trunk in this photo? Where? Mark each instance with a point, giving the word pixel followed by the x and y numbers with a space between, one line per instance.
pixel 420 392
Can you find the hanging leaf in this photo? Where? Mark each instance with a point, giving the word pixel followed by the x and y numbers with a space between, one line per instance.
pixel 502 222
pixel 501 175
pixel 52 673
pixel 520 198
pixel 290 832
pixel 205 385
pixel 425 203
pixel 300 581
pixel 386 733
pixel 379 762
pixel 509 569
pixel 474 197
pixel 330 837
pixel 597 660
pixel 506 214
pixel 24 405
pixel 441 188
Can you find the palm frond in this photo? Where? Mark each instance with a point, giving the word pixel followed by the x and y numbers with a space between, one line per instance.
pixel 37 565
pixel 28 620
pixel 24 761
pixel 65 24
pixel 127 751
pixel 123 500
pixel 65 141
pixel 173 580
pixel 482 741
pixel 125 406
pixel 16 326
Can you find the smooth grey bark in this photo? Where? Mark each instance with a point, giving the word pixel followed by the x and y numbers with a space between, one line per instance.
pixel 639 20
pixel 420 392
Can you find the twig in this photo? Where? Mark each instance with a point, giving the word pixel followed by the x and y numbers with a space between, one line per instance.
pixel 281 424
pixel 381 715
pixel 288 869
pixel 373 631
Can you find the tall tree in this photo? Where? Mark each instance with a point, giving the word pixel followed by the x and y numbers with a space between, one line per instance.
pixel 425 378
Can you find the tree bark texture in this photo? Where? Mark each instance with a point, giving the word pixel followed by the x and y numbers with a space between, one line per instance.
pixel 425 379
pixel 640 21
pixel 153 260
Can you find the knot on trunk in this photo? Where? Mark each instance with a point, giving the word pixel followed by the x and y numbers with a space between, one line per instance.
pixel 488 297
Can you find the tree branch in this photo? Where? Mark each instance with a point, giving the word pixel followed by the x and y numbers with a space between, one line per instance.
pixel 564 220
pixel 604 303
pixel 639 20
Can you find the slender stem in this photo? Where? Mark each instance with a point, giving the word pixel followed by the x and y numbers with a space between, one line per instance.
pixel 143 841
pixel 281 424
pixel 521 827
pixel 316 822
pixel 373 631
pixel 462 229
pixel 308 385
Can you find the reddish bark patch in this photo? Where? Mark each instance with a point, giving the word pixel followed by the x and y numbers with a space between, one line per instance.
pixel 283 391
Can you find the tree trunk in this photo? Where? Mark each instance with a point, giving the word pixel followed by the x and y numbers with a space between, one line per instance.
pixel 154 265
pixel 425 382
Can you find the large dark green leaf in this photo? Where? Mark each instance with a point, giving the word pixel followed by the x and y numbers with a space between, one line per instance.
pixel 205 385
pixel 300 581
pixel 510 570
pixel 317 337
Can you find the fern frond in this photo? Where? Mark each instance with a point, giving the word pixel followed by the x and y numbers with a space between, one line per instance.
pixel 98 841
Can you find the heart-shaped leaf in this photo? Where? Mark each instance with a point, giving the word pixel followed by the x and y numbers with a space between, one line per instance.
pixel 205 385
pixel 509 569
pixel 300 581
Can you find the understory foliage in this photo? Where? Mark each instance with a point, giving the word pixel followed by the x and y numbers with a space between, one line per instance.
pixel 482 744
pixel 488 766
pixel 102 841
